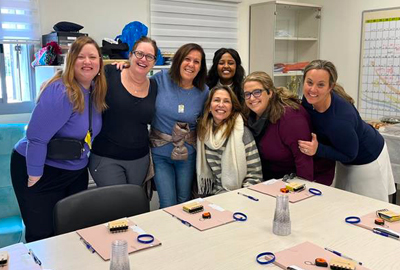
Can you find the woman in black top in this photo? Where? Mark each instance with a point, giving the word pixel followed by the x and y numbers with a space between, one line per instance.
pixel 120 153
pixel 227 70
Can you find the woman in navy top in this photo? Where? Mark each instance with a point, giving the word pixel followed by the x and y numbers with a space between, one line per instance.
pixel 62 110
pixel 363 164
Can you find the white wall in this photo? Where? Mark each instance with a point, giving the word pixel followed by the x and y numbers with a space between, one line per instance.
pixel 100 18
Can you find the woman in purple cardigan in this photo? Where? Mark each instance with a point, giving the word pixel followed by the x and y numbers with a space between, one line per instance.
pixel 62 110
pixel 277 121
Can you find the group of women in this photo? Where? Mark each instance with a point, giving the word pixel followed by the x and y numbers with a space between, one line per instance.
pixel 241 132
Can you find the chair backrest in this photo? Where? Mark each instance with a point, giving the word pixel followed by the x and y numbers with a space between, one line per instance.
pixel 97 206
pixel 10 134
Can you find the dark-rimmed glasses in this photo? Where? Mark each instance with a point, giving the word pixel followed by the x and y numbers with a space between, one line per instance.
pixel 256 93
pixel 140 55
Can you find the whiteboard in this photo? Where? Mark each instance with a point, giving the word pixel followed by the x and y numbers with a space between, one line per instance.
pixel 379 81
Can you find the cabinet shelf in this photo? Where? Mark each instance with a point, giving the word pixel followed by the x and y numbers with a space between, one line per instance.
pixel 283 32
pixel 290 73
pixel 296 38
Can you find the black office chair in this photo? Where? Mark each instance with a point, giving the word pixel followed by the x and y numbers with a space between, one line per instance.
pixel 97 206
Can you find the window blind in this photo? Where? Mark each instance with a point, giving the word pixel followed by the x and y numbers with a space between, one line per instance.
pixel 19 21
pixel 212 24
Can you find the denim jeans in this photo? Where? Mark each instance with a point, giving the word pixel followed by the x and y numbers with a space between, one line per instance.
pixel 173 179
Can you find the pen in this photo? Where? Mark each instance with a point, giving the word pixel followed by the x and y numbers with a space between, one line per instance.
pixel 386 234
pixel 343 256
pixel 88 246
pixel 248 196
pixel 386 231
pixel 183 221
pixel 36 259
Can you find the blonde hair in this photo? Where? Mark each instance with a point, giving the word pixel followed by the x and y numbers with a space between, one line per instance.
pixel 73 88
pixel 281 97
pixel 333 76
pixel 206 121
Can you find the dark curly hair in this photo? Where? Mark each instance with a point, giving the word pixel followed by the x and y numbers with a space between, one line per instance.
pixel 237 79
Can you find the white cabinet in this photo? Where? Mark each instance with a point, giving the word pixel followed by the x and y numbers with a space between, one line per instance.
pixel 283 33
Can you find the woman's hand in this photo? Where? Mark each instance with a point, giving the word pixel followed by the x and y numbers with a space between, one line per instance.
pixel 309 148
pixel 121 65
pixel 32 180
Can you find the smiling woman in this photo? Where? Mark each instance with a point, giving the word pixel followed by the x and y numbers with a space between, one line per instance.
pixel 227 70
pixel 62 111
pixel 362 159
pixel 227 155
pixel 181 95
pixel 121 152
pixel 277 121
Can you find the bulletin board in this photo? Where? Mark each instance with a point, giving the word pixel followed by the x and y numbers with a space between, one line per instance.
pixel 379 82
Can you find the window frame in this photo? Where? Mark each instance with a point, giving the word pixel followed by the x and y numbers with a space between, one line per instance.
pixel 18 107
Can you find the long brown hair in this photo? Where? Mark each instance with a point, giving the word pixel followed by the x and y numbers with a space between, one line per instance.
pixel 73 88
pixel 175 70
pixel 206 121
pixel 333 76
pixel 281 97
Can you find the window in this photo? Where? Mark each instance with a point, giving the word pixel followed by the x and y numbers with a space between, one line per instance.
pixel 211 24
pixel 19 33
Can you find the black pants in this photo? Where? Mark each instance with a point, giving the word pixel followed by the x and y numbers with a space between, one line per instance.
pixel 37 202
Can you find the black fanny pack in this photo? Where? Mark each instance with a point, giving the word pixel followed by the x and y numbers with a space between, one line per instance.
pixel 69 148
pixel 65 148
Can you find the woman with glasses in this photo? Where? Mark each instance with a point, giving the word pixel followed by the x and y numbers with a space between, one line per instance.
pixel 121 153
pixel 361 155
pixel 278 122
pixel 227 155
pixel 181 95
pixel 227 70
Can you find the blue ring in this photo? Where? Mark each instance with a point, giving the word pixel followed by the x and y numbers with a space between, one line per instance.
pixel 352 220
pixel 315 191
pixel 140 240
pixel 238 216
pixel 266 254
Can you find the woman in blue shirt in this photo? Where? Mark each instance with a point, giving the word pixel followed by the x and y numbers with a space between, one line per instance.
pixel 360 152
pixel 181 95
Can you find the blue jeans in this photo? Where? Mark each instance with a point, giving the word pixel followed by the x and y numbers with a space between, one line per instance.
pixel 173 179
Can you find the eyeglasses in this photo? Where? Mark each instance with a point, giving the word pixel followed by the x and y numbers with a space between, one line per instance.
pixel 256 93
pixel 140 55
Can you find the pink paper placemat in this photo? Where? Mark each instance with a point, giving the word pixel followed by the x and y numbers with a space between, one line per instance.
pixel 368 222
pixel 303 252
pixel 19 259
pixel 219 216
pixel 100 238
pixel 272 188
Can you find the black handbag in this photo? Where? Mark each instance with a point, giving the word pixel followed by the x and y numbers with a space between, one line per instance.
pixel 61 148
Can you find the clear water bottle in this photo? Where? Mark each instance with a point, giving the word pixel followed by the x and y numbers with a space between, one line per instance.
pixel 281 225
pixel 119 255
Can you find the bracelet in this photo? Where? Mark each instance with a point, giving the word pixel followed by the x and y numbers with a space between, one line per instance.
pixel 352 220
pixel 149 237
pixel 315 191
pixel 265 254
pixel 238 216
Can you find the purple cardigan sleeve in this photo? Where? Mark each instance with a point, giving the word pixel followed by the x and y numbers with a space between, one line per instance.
pixel 294 127
pixel 51 112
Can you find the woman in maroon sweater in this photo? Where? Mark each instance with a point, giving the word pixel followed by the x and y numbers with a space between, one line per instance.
pixel 278 122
